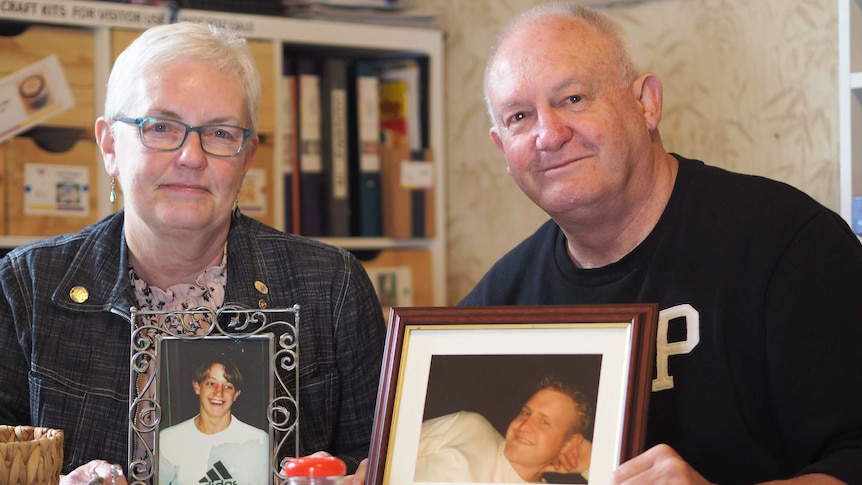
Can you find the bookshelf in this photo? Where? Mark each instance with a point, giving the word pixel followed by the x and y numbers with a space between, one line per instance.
pixel 850 105
pixel 107 27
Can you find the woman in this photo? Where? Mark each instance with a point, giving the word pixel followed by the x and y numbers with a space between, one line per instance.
pixel 177 137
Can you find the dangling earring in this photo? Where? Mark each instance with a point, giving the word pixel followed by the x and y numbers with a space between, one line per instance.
pixel 113 195
pixel 236 212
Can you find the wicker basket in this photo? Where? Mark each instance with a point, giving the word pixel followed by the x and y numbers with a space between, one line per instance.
pixel 30 456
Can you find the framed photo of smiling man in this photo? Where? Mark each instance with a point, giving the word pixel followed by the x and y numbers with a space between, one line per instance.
pixel 214 394
pixel 512 394
pixel 540 406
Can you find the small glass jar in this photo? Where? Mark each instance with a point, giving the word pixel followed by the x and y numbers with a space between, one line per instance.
pixel 314 470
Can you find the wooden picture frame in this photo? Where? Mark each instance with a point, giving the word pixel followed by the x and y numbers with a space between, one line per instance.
pixel 441 360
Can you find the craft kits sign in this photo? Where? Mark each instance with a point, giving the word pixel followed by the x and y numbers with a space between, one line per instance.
pixel 117 15
pixel 33 95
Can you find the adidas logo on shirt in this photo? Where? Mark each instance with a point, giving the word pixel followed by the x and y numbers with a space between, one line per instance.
pixel 218 475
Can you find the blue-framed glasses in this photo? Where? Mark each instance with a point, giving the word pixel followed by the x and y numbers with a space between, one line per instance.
pixel 164 135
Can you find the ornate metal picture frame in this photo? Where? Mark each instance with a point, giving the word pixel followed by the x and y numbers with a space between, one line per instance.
pixel 167 347
pixel 442 364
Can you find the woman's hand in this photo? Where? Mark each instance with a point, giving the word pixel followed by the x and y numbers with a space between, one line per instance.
pixel 358 478
pixel 96 472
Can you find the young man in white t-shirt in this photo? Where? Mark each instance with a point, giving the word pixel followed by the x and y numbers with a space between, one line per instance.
pixel 214 446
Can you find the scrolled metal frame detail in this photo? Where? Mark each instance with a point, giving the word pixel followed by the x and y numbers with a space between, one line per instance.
pixel 235 322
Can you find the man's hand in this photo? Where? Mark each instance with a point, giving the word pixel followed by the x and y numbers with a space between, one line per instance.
pixel 576 459
pixel 659 464
pixel 96 472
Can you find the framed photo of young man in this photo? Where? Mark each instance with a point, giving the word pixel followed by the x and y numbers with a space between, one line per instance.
pixel 213 395
pixel 554 394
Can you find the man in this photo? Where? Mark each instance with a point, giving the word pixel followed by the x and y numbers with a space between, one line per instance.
pixel 758 284
pixel 214 446
pixel 465 447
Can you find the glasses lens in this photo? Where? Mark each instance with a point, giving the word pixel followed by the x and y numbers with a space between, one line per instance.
pixel 222 139
pixel 167 135
pixel 162 134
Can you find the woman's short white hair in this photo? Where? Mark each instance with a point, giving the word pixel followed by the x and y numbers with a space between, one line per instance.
pixel 180 42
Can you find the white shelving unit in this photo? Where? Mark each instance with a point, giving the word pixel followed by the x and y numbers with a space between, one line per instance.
pixel 102 17
pixel 850 103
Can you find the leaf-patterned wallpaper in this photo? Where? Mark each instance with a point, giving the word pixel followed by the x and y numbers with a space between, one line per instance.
pixel 749 85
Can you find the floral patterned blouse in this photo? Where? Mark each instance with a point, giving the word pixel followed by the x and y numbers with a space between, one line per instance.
pixel 207 291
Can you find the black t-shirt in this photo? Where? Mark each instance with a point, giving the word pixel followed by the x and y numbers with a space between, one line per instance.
pixel 760 337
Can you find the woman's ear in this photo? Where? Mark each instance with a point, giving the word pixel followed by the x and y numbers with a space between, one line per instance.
pixel 105 141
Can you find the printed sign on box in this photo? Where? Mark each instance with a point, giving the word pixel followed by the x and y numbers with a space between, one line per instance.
pixel 56 190
pixel 32 95
pixel 393 284
pixel 252 195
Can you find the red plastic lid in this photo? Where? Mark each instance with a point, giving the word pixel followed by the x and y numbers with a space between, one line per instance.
pixel 315 467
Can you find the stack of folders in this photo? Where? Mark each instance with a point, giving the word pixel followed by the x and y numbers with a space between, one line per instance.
pixel 356 161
